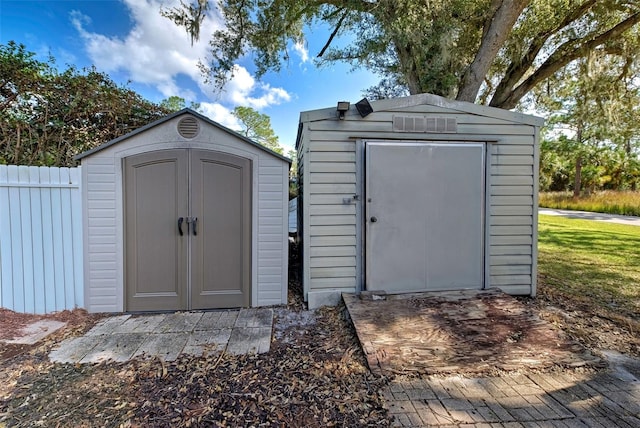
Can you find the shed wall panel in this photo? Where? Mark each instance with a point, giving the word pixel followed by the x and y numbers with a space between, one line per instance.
pixel 328 150
pixel 332 167
pixel 104 259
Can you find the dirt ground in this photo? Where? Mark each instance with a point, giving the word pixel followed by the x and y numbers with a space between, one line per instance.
pixel 11 324
pixel 595 327
pixel 315 374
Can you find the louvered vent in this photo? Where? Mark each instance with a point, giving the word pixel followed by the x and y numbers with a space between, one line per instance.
pixel 188 127
pixel 440 125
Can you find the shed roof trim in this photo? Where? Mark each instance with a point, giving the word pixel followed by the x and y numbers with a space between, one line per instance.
pixel 170 117
pixel 428 99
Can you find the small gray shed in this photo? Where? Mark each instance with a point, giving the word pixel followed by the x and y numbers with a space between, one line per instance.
pixel 184 214
pixel 417 194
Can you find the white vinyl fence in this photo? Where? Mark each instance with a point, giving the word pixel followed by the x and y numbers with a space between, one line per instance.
pixel 40 239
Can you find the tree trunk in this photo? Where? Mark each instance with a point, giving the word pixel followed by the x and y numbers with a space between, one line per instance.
pixel 408 66
pixel 577 184
pixel 497 28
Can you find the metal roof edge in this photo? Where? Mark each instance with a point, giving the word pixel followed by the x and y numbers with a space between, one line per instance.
pixel 429 99
pixel 170 117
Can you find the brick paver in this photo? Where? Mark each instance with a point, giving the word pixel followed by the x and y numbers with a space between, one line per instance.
pixel 558 399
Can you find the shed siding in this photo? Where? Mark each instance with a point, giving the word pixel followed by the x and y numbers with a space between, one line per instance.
pixel 273 212
pixel 101 261
pixel 328 155
pixel 331 223
pixel 103 209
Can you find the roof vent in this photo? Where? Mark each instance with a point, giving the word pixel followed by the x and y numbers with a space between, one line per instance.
pixel 408 123
pixel 440 125
pixel 188 127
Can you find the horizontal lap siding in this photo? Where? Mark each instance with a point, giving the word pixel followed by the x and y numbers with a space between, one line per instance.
pixel 272 213
pixel 511 196
pixel 103 257
pixel 328 148
pixel 331 255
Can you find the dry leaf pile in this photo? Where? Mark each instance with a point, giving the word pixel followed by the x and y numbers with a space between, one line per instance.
pixel 594 326
pixel 317 378
pixel 12 323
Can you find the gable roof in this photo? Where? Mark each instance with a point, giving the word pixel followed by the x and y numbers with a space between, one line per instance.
pixel 428 99
pixel 170 117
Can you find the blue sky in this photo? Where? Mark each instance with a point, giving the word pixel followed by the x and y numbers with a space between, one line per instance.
pixel 131 42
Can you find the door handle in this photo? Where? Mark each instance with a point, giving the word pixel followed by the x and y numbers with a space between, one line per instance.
pixel 374 219
pixel 180 220
pixel 194 222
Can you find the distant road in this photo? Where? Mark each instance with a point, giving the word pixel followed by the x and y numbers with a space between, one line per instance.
pixel 609 218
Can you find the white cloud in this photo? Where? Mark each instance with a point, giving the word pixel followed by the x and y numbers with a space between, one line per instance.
pixel 239 91
pixel 156 52
pixel 300 48
pixel 219 113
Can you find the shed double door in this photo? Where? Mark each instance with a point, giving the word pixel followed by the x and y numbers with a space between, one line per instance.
pixel 424 216
pixel 187 230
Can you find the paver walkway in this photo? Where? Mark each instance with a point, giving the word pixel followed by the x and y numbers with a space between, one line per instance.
pixel 609 398
pixel 122 337
pixel 425 338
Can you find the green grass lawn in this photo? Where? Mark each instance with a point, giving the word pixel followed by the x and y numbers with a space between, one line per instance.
pixel 590 261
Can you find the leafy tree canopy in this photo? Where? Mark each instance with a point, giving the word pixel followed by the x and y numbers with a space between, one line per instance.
pixel 257 126
pixel 175 103
pixel 492 51
pixel 593 127
pixel 49 116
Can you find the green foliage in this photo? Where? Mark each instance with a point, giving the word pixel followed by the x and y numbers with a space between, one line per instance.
pixel 604 167
pixel 50 116
pixel 608 201
pixel 498 49
pixel 257 126
pixel 293 174
pixel 175 103
pixel 593 260
pixel 593 108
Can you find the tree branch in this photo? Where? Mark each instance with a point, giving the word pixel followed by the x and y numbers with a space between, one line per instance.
pixel 567 52
pixel 333 34
pixel 519 67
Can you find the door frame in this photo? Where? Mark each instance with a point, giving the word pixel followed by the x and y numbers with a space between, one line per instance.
pixel 121 242
pixel 362 270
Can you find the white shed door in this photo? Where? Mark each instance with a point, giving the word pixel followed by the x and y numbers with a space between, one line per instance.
pixel 424 216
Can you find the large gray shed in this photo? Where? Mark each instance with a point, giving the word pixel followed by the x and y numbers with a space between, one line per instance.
pixel 417 194
pixel 184 214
